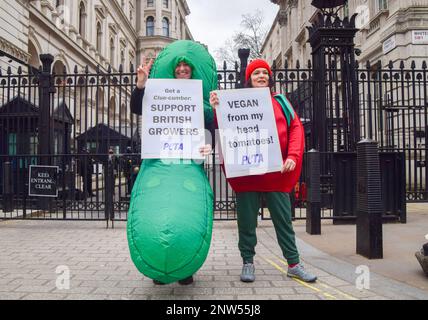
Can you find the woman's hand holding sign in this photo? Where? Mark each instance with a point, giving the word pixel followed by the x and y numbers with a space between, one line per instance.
pixel 143 72
pixel 288 166
pixel 206 150
pixel 214 100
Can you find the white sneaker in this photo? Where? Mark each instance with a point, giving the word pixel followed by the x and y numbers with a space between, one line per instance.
pixel 247 274
pixel 299 272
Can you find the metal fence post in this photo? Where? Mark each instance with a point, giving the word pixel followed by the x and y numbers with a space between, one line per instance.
pixel 46 87
pixel 109 190
pixel 313 211
pixel 7 187
pixel 45 134
pixel 369 201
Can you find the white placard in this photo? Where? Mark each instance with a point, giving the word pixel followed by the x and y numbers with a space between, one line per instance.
pixel 172 119
pixel 420 37
pixel 389 45
pixel 248 134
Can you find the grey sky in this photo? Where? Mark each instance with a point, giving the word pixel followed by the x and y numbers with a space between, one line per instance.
pixel 212 22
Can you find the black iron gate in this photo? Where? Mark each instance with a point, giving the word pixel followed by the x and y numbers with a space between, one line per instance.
pixel 80 121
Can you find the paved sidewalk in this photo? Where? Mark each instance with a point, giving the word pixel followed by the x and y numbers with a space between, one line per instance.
pixel 100 267
pixel 400 242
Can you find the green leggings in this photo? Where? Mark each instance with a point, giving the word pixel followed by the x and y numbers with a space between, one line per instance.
pixel 278 203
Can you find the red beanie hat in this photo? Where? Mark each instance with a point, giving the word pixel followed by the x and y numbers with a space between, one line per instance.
pixel 255 64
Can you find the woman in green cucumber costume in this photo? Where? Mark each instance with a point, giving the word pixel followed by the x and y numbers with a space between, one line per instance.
pixel 171 210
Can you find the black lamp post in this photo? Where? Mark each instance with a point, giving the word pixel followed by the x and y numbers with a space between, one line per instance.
pixel 322 4
pixel 327 6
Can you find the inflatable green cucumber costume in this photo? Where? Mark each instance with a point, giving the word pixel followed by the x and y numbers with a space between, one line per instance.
pixel 171 210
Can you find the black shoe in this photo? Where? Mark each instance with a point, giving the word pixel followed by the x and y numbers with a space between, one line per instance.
pixel 158 282
pixel 187 281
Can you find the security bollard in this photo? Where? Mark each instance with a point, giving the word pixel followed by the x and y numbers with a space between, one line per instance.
pixel 369 201
pixel 313 211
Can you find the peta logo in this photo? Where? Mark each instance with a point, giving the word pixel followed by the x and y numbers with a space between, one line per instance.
pixel 63 279
pixel 363 280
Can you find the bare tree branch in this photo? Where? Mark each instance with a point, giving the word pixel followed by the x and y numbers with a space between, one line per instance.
pixel 228 53
pixel 251 36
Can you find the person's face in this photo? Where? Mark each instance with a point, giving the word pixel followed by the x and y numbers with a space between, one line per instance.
pixel 260 78
pixel 183 71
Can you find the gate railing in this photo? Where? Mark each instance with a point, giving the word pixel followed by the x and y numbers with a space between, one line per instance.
pixel 89 116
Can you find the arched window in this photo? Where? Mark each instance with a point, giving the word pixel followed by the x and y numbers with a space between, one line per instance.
pixel 112 52
pixel 150 3
pixel 60 81
pixel 150 26
pixel 165 3
pixel 59 68
pixel 165 27
pixel 82 20
pixel 99 37
pixel 34 56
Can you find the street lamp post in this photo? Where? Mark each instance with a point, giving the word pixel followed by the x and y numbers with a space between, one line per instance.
pixel 335 122
pixel 329 8
pixel 332 42
pixel 328 4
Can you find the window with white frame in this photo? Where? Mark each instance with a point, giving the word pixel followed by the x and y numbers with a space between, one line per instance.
pixel 99 37
pixel 150 26
pixel 165 27
pixel 82 20
pixel 122 58
pixel 381 5
pixel 112 52
pixel 131 12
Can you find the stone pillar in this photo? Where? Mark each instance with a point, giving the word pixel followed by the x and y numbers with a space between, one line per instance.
pixel 174 14
pixel 158 18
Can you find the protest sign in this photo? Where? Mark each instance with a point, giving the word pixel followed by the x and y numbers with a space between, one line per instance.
pixel 248 133
pixel 172 119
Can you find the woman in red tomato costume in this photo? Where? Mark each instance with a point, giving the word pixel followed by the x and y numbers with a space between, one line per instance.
pixel 274 186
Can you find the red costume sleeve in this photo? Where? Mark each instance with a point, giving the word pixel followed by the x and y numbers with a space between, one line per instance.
pixel 296 140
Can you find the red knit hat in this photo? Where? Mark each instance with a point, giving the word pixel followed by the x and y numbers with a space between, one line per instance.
pixel 255 64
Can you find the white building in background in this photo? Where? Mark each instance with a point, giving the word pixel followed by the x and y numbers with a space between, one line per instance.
pixel 14 23
pixel 160 21
pixel 80 33
pixel 389 30
pixel 91 32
